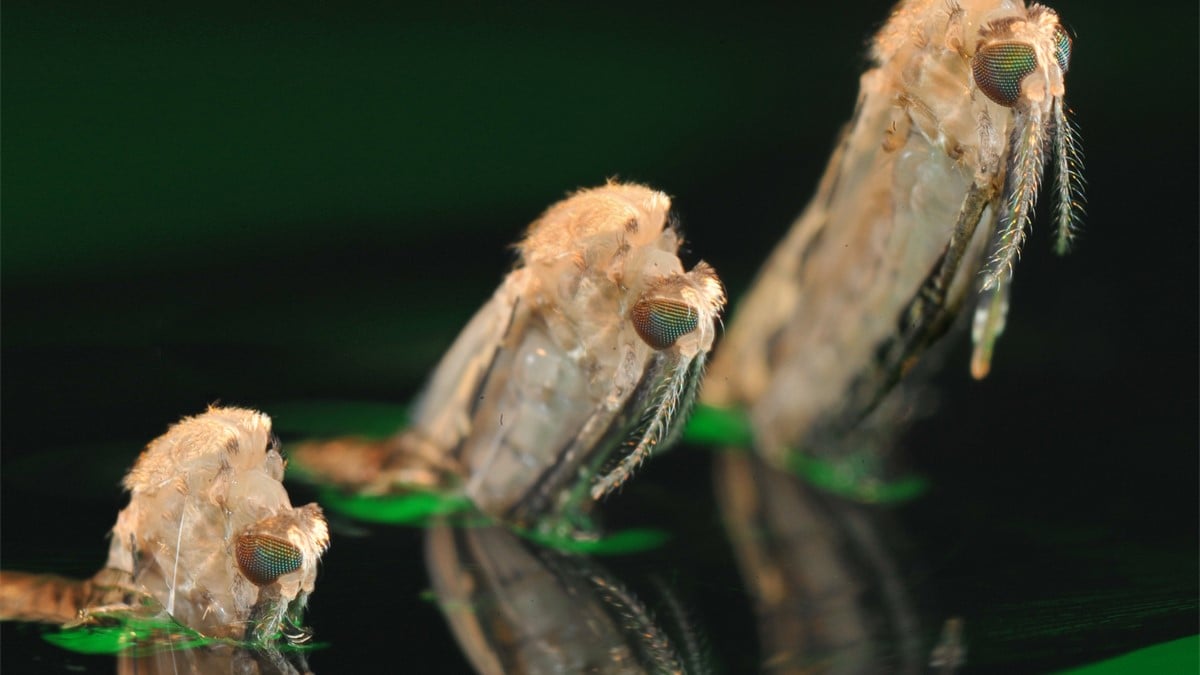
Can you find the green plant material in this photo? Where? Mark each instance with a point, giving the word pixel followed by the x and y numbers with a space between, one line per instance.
pixel 421 509
pixel 1176 656
pixel 718 426
pixel 625 542
pixel 855 478
pixel 415 508
pixel 130 633
pixel 851 479
pixel 140 635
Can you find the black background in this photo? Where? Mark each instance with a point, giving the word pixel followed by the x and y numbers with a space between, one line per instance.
pixel 301 202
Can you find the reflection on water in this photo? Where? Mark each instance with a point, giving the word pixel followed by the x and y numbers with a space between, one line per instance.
pixel 214 658
pixel 833 589
pixel 823 574
pixel 820 572
pixel 826 587
pixel 516 607
pixel 158 644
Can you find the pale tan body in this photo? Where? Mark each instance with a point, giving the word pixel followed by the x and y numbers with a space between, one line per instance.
pixel 880 262
pixel 551 376
pixel 919 196
pixel 193 491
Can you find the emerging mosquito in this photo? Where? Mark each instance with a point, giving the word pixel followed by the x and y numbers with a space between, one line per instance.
pixel 209 537
pixel 575 371
pixel 934 179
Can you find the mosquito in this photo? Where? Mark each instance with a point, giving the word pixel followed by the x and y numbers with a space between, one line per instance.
pixel 209 537
pixel 577 369
pixel 926 201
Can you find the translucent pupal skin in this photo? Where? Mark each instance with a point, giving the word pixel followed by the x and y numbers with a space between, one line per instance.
pixel 551 396
pixel 574 379
pixel 931 183
pixel 194 491
pixel 205 498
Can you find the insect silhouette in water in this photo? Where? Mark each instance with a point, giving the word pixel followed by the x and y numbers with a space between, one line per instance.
pixel 579 367
pixel 209 539
pixel 516 607
pixel 924 204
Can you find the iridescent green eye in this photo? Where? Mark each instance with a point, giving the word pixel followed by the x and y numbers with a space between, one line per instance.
pixel 1000 68
pixel 263 558
pixel 1062 48
pixel 661 322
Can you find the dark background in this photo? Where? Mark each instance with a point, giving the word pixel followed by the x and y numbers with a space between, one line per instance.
pixel 306 201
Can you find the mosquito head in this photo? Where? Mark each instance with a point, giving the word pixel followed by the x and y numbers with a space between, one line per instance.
pixel 680 311
pixel 1020 63
pixel 279 555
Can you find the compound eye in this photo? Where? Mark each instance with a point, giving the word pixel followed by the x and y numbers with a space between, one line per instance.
pixel 661 322
pixel 263 558
pixel 1000 68
pixel 1062 48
